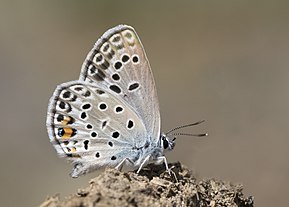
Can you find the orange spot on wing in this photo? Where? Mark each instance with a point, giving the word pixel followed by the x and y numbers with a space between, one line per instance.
pixel 73 149
pixel 68 132
pixel 66 120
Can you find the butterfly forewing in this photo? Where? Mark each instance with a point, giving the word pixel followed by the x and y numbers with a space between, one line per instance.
pixel 118 63
pixel 90 125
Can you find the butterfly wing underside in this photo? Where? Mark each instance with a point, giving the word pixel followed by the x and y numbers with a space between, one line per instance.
pixel 118 63
pixel 91 126
pixel 112 109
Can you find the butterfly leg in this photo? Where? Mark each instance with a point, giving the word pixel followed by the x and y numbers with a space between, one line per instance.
pixel 164 160
pixel 143 163
pixel 120 165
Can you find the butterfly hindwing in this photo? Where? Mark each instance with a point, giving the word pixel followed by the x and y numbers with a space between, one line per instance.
pixel 118 63
pixel 91 126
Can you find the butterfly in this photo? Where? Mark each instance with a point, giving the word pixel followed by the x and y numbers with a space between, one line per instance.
pixel 110 116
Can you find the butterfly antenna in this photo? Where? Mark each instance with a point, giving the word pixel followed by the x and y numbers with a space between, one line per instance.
pixel 184 126
pixel 192 135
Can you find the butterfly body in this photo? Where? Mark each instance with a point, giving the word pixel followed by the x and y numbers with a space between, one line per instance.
pixel 110 116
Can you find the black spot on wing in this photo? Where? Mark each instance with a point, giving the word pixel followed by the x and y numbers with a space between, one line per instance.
pixel 133 86
pixel 115 88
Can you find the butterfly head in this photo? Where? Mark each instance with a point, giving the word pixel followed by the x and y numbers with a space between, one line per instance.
pixel 166 142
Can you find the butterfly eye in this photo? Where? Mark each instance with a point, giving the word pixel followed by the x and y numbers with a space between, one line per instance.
pixel 165 143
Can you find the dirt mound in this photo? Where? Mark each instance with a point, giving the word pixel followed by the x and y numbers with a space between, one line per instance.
pixel 154 187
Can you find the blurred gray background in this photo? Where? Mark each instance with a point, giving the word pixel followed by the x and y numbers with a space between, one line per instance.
pixel 223 61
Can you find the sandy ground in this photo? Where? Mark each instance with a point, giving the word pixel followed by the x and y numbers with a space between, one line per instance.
pixel 154 187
